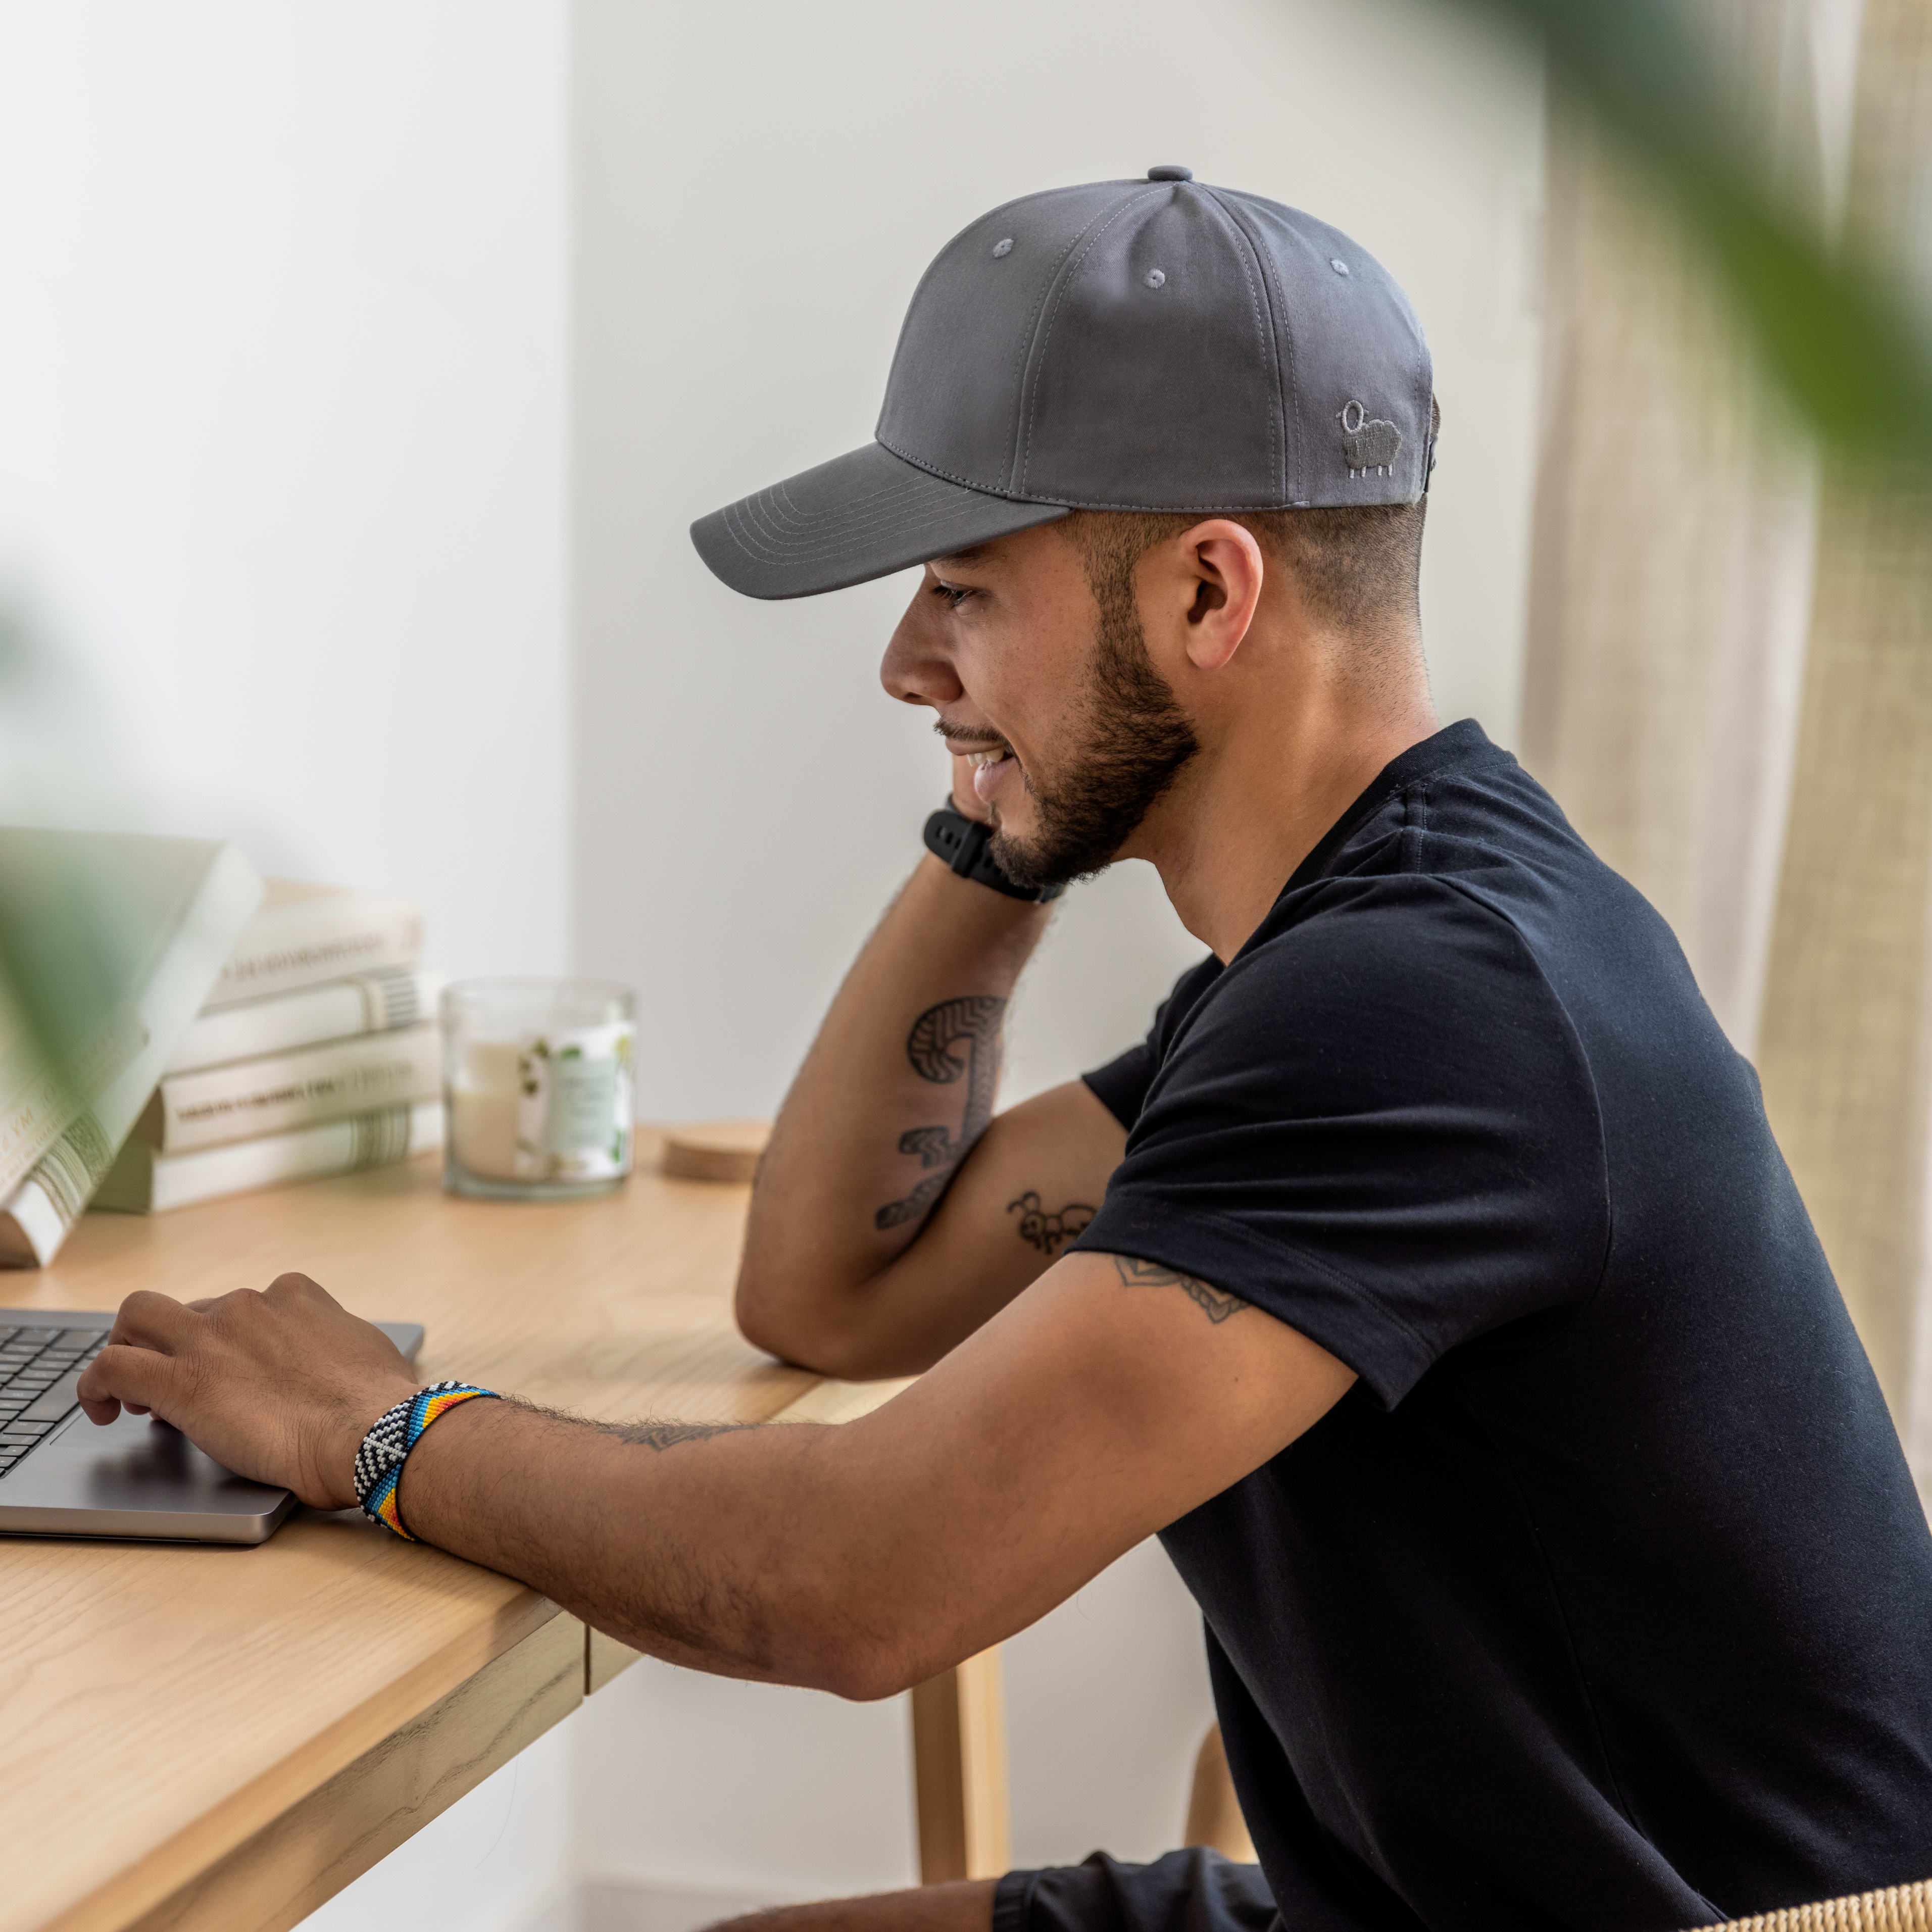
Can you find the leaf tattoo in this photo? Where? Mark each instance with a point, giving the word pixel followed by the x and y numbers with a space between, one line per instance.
pixel 668 1435
pixel 958 1038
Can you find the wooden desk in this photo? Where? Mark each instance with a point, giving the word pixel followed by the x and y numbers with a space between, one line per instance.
pixel 202 1737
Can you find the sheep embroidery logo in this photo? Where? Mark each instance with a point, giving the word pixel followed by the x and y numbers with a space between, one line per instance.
pixel 1369 443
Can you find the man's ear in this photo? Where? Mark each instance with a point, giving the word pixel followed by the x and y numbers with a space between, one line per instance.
pixel 1224 563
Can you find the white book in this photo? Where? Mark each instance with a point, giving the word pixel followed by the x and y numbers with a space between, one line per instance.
pixel 304 934
pixel 284 1091
pixel 366 1003
pixel 143 1182
pixel 173 911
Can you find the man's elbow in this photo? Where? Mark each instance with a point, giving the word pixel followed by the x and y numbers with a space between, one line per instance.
pixel 784 1333
pixel 807 1339
pixel 863 1669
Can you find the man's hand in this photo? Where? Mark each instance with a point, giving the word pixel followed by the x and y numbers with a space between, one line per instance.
pixel 280 1387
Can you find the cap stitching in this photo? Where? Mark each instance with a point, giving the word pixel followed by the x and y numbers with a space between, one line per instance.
pixel 832 531
pixel 826 532
pixel 780 497
pixel 800 532
pixel 1072 269
pixel 1242 246
pixel 1094 503
pixel 837 542
pixel 1027 334
pixel 982 223
pixel 1284 376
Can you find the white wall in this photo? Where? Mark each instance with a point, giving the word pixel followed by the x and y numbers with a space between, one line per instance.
pixel 758 187
pixel 282 430
pixel 282 501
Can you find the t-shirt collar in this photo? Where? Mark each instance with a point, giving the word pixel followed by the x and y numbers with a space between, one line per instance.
pixel 1463 743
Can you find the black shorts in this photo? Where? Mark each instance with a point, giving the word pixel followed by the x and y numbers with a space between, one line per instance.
pixel 1193 1891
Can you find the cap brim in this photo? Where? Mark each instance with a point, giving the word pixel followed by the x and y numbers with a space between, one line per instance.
pixel 862 515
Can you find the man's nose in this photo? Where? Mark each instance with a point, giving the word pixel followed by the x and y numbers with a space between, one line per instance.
pixel 916 668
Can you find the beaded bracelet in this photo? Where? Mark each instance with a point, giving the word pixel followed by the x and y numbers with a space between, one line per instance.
pixel 378 1462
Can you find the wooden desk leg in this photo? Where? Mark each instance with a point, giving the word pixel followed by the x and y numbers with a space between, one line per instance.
pixel 603 1658
pixel 959 1771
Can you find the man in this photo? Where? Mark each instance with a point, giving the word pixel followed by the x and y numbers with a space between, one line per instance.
pixel 1429 1280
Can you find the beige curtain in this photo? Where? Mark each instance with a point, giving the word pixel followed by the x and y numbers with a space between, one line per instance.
pixel 1670 583
pixel 1846 1044
pixel 1730 678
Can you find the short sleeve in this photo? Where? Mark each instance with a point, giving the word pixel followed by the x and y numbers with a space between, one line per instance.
pixel 1378 1125
pixel 1121 1086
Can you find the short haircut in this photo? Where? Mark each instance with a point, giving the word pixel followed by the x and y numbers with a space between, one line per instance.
pixel 1358 567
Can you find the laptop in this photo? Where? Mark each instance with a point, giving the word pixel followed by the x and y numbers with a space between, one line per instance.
pixel 60 1475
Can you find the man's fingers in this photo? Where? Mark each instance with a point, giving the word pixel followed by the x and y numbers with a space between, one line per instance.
pixel 151 1321
pixel 138 1379
pixel 965 800
pixel 294 1285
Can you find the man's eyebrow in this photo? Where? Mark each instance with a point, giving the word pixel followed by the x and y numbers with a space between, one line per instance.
pixel 973 553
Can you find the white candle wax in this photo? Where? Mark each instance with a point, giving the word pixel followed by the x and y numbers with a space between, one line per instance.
pixel 482 1125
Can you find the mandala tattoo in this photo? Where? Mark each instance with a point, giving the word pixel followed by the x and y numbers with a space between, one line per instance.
pixel 1138 1273
pixel 956 1039
pixel 1049 1233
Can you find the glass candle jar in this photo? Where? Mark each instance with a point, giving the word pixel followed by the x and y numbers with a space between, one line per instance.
pixel 537 1079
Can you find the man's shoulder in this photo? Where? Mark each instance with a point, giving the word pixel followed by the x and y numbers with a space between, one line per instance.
pixel 1395 985
pixel 1383 938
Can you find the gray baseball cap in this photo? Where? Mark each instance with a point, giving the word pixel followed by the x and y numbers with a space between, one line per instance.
pixel 1137 345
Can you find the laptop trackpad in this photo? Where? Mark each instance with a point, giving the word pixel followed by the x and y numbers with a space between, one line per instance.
pixel 133 1467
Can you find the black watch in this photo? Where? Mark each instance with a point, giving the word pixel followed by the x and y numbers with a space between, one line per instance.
pixel 962 842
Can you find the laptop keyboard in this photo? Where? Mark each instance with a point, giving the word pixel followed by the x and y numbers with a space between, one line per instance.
pixel 39 1368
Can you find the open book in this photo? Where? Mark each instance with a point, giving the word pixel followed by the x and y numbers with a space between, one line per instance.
pixel 110 943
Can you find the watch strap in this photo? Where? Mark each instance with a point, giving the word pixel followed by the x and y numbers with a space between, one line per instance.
pixel 963 843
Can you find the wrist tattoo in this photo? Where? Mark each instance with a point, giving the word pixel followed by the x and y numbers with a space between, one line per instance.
pixel 668 1435
pixel 958 1038
pixel 1138 1273
pixel 1049 1233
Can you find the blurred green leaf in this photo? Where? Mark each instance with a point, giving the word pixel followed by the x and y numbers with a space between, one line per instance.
pixel 1837 331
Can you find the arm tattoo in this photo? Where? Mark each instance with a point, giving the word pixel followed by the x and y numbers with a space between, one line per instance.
pixel 1137 1273
pixel 956 1037
pixel 1049 1233
pixel 668 1435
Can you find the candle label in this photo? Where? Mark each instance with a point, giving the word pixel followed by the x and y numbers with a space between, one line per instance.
pixel 574 1104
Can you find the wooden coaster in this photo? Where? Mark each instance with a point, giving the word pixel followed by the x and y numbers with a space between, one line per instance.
pixel 716 1149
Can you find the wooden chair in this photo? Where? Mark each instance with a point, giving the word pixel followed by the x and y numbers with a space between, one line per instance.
pixel 1899 1908
pixel 1214 1819
pixel 1213 1812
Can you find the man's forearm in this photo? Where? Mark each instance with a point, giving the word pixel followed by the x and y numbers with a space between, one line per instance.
pixel 898 1086
pixel 619 1524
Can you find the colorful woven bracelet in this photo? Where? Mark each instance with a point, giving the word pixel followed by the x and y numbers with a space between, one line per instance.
pixel 378 1462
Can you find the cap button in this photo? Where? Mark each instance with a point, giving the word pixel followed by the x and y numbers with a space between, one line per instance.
pixel 1167 171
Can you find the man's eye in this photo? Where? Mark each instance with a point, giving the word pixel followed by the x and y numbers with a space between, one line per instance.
pixel 954 594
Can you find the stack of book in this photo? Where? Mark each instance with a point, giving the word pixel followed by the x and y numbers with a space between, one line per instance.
pixel 317 1053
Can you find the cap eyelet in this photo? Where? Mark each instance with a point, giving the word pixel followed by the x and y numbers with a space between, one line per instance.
pixel 1156 278
pixel 1005 247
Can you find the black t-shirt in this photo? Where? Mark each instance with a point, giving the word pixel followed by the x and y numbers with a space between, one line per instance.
pixel 1603 1598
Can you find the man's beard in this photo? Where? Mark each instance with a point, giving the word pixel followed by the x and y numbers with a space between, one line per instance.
pixel 1138 740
